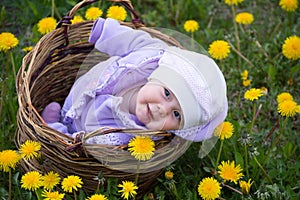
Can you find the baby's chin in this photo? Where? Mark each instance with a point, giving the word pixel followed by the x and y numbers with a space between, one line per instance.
pixel 161 127
pixel 154 127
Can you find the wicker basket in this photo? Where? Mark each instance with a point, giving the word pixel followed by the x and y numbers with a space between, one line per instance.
pixel 47 74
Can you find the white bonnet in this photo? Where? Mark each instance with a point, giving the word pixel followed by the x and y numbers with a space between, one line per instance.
pixel 197 83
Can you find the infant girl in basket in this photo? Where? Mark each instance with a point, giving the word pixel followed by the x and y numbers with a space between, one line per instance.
pixel 145 84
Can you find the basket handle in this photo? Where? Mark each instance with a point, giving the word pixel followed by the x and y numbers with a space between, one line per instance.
pixel 66 20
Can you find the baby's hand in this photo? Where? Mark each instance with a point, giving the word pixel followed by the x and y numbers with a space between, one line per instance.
pixel 51 112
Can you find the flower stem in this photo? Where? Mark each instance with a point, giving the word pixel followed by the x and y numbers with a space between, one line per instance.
pixel 38 194
pixel 219 154
pixel 220 65
pixel 75 197
pixel 9 184
pixel 233 189
pixel 254 115
pixel 52 8
pixel 3 94
pixel 241 55
pixel 280 133
pixel 246 159
pixel 100 4
pixel 276 140
pixel 263 170
pixel 174 191
pixel 192 40
pixel 13 64
pixel 137 173
pixel 242 28
pixel 253 119
pixel 257 43
pixel 98 186
pixel 236 34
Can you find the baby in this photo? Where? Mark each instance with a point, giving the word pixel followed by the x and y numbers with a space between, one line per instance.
pixel 145 84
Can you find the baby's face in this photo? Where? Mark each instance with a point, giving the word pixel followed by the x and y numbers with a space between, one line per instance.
pixel 158 108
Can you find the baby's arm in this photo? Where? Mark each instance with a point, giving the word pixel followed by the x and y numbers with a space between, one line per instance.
pixel 118 40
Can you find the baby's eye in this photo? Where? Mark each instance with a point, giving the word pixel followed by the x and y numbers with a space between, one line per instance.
pixel 177 115
pixel 167 93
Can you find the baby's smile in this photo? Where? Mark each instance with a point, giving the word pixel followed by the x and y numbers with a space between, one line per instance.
pixel 155 107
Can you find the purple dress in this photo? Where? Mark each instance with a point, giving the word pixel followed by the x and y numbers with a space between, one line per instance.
pixel 93 101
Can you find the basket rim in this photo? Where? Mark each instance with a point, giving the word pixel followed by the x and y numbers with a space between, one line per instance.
pixel 25 76
pixel 61 152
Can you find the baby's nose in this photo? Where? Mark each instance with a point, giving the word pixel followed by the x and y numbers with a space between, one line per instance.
pixel 164 109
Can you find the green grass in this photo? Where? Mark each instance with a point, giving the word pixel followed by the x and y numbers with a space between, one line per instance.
pixel 260 43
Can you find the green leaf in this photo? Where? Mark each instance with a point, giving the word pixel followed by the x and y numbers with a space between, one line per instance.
pixel 33 8
pixel 207 169
pixel 81 195
pixel 239 159
pixel 2 16
pixel 3 192
pixel 15 179
pixel 295 69
pixel 38 194
pixel 289 149
pixel 272 72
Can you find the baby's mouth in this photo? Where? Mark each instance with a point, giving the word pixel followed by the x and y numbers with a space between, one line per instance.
pixel 149 113
pixel 148 110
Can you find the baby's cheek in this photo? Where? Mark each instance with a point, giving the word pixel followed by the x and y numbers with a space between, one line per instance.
pixel 156 125
pixel 171 124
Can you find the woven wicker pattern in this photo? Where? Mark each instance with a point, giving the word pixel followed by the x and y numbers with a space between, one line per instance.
pixel 47 74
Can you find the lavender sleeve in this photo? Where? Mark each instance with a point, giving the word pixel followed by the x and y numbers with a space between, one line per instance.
pixel 118 40
pixel 130 50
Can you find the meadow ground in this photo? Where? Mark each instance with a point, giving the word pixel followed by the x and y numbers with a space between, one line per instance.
pixel 256 45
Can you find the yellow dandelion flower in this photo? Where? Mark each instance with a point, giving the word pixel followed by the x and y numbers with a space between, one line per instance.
pixel 230 172
pixel 284 96
pixel 191 26
pixel 291 47
pixel 7 41
pixel 9 159
pixel 219 49
pixel 233 2
pixel 253 94
pixel 244 75
pixel 30 149
pixel 246 83
pixel 264 90
pixel 50 180
pixel 128 189
pixel 48 195
pixel 27 49
pixel 93 13
pixel 31 180
pixel 141 147
pixel 116 12
pixel 298 109
pixel 77 19
pixel 288 108
pixel 98 197
pixel 209 188
pixel 290 81
pixel 224 130
pixel 245 186
pixel 46 25
pixel 244 18
pixel 288 5
pixel 71 183
pixel 169 175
